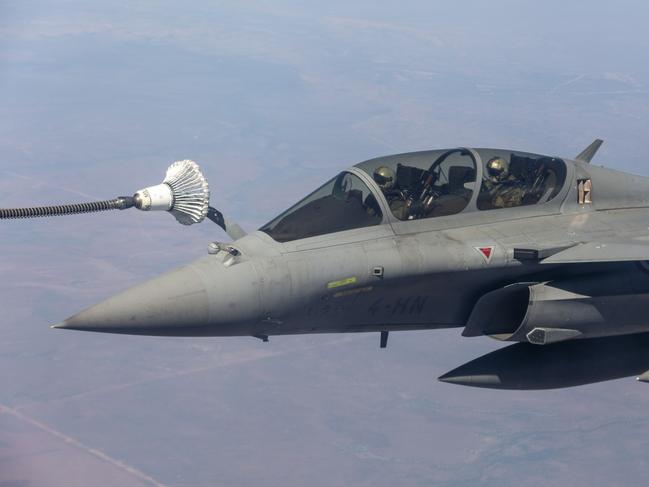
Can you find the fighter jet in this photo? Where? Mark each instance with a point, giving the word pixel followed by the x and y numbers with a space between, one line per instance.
pixel 551 253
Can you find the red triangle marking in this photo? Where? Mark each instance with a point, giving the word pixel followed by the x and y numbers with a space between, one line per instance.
pixel 486 251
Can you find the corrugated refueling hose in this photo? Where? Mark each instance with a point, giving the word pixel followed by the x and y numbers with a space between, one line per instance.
pixel 119 203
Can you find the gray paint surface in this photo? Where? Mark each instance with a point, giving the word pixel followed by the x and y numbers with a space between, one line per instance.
pixel 433 272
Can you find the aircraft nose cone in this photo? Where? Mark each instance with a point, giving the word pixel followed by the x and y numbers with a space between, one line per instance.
pixel 164 305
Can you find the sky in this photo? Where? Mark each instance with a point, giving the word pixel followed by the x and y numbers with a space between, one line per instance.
pixel 272 98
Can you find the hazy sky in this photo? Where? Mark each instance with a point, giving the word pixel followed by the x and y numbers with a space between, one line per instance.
pixel 272 98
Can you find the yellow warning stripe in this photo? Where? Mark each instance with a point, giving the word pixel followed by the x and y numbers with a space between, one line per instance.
pixel 343 282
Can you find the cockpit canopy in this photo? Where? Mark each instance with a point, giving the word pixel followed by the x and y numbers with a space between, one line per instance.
pixel 440 183
pixel 429 184
pixel 525 179
pixel 422 185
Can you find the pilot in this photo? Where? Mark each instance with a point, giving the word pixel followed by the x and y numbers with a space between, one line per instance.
pixel 504 188
pixel 385 178
pixel 387 181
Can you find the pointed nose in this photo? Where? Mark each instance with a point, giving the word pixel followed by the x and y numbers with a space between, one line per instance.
pixel 175 303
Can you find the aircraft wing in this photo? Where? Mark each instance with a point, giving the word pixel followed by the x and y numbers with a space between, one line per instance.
pixel 608 251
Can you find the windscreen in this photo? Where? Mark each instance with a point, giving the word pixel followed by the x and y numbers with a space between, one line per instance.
pixel 343 203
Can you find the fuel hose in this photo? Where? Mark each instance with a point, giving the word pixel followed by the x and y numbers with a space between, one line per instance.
pixel 119 203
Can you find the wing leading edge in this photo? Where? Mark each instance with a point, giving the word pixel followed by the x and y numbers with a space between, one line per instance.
pixel 627 251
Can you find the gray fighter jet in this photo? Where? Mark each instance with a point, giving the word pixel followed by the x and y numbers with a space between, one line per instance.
pixel 552 253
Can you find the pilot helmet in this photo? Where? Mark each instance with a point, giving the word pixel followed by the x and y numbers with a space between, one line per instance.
pixel 384 177
pixel 497 169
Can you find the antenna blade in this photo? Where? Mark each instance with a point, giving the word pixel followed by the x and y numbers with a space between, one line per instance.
pixel 589 152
